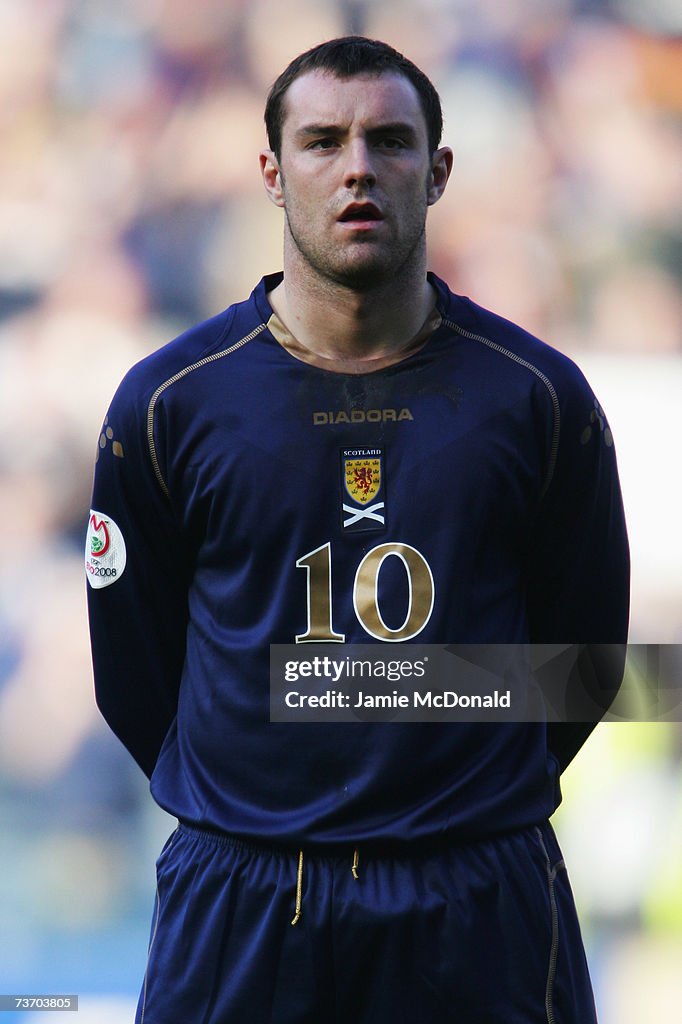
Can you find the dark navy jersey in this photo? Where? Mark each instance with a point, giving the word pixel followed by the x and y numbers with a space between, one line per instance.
pixel 244 497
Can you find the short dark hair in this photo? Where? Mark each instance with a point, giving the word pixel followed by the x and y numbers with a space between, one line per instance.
pixel 345 58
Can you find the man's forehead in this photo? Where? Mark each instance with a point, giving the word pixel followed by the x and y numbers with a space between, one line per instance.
pixel 320 97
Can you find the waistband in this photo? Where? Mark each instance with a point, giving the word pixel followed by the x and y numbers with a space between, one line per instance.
pixel 348 853
pixel 379 849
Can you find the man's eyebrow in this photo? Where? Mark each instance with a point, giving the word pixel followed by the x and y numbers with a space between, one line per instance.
pixel 390 128
pixel 319 129
pixel 393 128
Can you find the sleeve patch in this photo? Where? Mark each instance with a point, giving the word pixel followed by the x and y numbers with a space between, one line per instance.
pixel 106 438
pixel 105 551
pixel 597 422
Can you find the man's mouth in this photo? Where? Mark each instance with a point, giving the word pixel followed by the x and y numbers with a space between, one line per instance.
pixel 362 212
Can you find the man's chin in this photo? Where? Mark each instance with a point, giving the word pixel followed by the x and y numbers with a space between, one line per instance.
pixel 363 274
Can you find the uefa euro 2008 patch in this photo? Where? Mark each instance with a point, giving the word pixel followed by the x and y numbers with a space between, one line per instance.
pixel 363 486
pixel 105 551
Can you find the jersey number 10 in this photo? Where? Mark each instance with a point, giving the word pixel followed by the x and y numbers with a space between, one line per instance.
pixel 318 565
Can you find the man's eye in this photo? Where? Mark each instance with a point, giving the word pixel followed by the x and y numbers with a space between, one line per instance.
pixel 391 143
pixel 323 144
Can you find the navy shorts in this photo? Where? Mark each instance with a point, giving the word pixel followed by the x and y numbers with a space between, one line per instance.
pixel 479 933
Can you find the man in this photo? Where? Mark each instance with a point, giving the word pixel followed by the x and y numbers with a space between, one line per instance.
pixel 371 871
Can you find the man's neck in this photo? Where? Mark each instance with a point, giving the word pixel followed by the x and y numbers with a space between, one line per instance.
pixel 343 325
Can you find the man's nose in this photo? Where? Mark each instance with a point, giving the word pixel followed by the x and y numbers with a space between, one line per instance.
pixel 359 169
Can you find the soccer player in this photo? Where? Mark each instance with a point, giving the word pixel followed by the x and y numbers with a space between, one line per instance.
pixel 353 454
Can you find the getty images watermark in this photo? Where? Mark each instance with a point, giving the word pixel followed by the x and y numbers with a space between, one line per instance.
pixel 475 682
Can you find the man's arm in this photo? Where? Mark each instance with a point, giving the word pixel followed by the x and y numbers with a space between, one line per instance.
pixel 137 585
pixel 579 579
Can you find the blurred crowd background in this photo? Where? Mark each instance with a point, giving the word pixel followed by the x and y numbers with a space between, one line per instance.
pixel 131 206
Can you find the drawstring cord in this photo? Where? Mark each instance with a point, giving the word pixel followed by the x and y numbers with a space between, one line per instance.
pixel 299 889
pixel 299 882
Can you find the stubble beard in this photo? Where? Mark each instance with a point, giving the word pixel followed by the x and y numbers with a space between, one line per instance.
pixel 357 272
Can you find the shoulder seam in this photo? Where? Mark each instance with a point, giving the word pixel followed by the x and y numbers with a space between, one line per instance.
pixel 151 408
pixel 556 426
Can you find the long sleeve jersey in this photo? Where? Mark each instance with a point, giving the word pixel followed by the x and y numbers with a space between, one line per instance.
pixel 244 497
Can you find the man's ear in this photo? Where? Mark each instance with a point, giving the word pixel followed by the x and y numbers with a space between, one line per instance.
pixel 272 176
pixel 441 166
